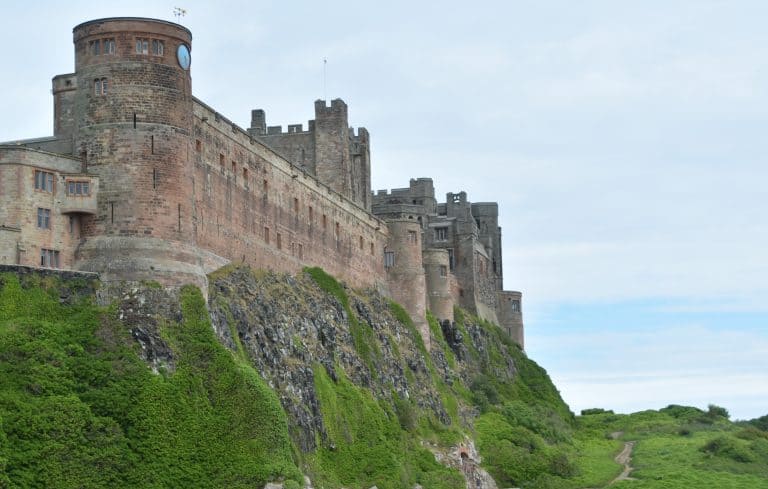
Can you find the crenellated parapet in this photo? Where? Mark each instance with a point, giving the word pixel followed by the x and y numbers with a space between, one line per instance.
pixel 328 149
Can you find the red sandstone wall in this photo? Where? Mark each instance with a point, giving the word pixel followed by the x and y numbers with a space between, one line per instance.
pixel 233 210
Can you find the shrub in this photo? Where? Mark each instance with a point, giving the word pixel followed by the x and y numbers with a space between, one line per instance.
pixel 593 411
pixel 715 411
pixel 723 446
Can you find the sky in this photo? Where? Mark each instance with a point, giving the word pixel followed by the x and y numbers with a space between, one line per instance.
pixel 624 142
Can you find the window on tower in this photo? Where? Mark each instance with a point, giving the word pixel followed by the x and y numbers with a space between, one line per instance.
pixel 142 46
pixel 100 86
pixel 158 47
pixel 109 46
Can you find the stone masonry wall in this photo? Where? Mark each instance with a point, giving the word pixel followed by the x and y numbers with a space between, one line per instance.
pixel 21 240
pixel 258 209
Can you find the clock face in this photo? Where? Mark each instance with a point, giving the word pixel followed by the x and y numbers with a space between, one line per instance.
pixel 182 54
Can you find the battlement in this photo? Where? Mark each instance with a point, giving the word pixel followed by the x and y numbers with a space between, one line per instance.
pixel 337 108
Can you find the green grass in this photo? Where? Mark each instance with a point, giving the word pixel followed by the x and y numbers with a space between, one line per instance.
pixel 367 445
pixel 669 461
pixel 684 447
pixel 80 409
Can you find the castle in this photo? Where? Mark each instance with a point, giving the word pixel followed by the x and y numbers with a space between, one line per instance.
pixel 142 181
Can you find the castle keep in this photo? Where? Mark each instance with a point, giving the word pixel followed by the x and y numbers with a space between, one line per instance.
pixel 142 181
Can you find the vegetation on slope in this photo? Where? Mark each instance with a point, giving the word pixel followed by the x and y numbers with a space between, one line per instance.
pixel 373 441
pixel 684 447
pixel 78 408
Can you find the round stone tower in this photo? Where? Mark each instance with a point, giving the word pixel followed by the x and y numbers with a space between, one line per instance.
pixel 405 273
pixel 436 267
pixel 132 126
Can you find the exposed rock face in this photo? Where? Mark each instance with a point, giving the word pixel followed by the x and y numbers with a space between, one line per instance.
pixel 287 324
pixel 140 306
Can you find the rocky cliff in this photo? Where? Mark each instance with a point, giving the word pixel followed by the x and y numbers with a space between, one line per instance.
pixel 304 375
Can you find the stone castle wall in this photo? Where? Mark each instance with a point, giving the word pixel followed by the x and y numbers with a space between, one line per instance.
pixel 253 206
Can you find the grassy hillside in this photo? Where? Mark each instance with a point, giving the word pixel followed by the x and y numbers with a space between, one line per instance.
pixel 301 374
pixel 78 408
pixel 685 447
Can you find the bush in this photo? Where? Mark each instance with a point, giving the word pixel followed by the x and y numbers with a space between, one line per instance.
pixel 593 411
pixel 760 423
pixel 723 446
pixel 717 411
pixel 752 433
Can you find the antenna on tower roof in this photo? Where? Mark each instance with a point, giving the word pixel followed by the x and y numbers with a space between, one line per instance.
pixel 179 12
pixel 325 65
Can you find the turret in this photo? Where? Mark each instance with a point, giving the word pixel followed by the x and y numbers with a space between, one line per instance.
pixel 436 272
pixel 405 273
pixel 333 166
pixel 511 315
pixel 132 124
pixel 64 90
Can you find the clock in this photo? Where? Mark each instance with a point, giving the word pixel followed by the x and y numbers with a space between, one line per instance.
pixel 182 54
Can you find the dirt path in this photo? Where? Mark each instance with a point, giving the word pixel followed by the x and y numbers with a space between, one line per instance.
pixel 624 458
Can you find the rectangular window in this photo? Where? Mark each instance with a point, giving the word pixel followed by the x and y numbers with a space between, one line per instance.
pixel 43 181
pixel 371 249
pixel 443 271
pixel 78 188
pixel 198 145
pixel 100 86
pixel 301 251
pixel 412 237
pixel 158 47
pixel 311 212
pixel 43 218
pixel 389 259
pixel 95 47
pixel 109 46
pixel 221 163
pixel 338 231
pixel 49 258
pixel 279 241
pixel 266 234
pixel 71 224
pixel 361 242
pixel 325 222
pixel 142 46
pixel 441 234
pixel 245 177
pixel 451 263
pixel 295 205
pixel 234 171
pixel 515 306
